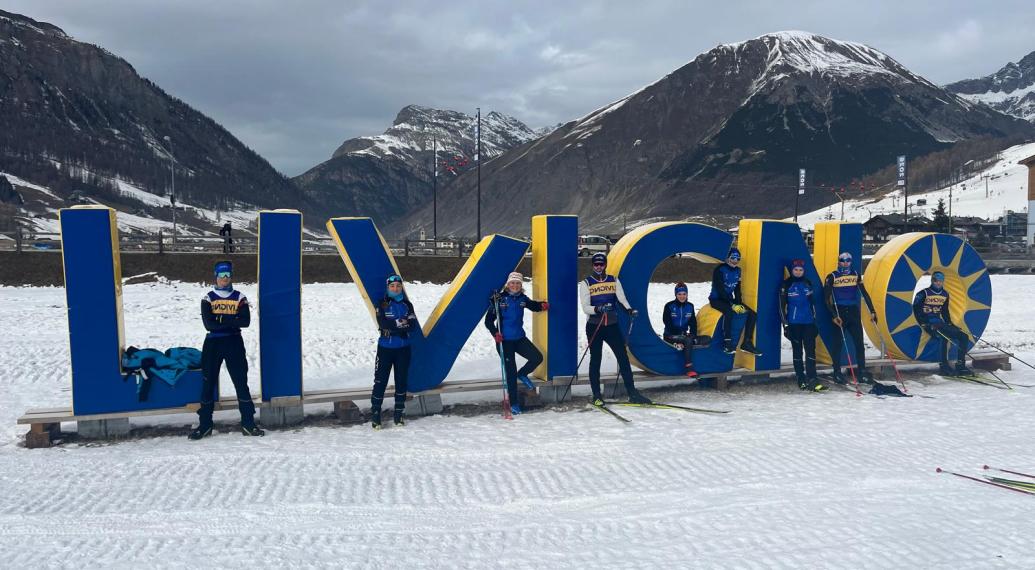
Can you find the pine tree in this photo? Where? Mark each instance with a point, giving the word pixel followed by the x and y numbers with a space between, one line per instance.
pixel 941 218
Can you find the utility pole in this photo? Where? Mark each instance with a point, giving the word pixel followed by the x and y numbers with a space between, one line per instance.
pixel 172 184
pixel 478 159
pixel 434 192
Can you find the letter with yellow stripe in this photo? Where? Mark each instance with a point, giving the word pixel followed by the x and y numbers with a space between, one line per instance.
pixel 554 279
pixel 444 333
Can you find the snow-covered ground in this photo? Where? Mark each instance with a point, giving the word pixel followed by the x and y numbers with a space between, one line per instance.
pixel 1007 189
pixel 787 480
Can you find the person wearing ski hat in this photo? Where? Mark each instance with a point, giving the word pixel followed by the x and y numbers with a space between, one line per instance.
pixel 798 315
pixel 395 321
pixel 726 298
pixel 681 326
pixel 505 320
pixel 224 312
pixel 601 295
pixel 931 309
pixel 842 291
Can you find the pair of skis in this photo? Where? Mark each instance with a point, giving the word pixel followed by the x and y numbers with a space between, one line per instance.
pixel 658 406
pixel 1026 487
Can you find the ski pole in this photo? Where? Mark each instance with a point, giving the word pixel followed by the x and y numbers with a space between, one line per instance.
pixel 567 389
pixel 939 470
pixel 986 467
pixel 1010 354
pixel 503 365
pixel 959 348
pixel 848 355
pixel 887 354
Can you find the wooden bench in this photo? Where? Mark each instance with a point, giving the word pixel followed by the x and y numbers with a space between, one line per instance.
pixel 45 424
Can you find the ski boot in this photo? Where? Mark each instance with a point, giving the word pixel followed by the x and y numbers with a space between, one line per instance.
pixel 635 397
pixel 962 370
pixel 252 430
pixel 865 377
pixel 727 346
pixel 748 346
pixel 802 383
pixel 946 369
pixel 200 432
pixel 598 401
pixel 375 419
pixel 527 382
pixel 838 377
pixel 397 419
pixel 814 385
pixel 690 372
pixel 515 409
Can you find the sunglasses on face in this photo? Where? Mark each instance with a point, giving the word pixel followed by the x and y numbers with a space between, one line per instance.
pixel 599 264
pixel 845 260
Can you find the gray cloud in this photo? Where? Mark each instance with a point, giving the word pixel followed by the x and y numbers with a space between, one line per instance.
pixel 293 80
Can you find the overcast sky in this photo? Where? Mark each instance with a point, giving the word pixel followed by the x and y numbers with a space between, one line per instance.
pixel 293 80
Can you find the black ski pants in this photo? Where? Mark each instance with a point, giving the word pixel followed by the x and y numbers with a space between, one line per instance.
pixel 803 349
pixel 527 350
pixel 612 335
pixel 726 308
pixel 852 329
pixel 387 359
pixel 213 353
pixel 688 346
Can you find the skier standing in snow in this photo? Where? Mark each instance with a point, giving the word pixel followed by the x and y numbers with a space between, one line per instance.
pixel 508 329
pixel 726 298
pixel 224 312
pixel 681 326
pixel 600 295
pixel 931 309
pixel 798 315
pixel 395 321
pixel 842 291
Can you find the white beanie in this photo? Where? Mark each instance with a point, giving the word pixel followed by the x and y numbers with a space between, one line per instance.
pixel 515 276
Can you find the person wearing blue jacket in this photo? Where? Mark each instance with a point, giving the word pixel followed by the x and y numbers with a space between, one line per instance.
pixel 681 326
pixel 395 321
pixel 798 315
pixel 931 309
pixel 727 299
pixel 508 330
pixel 224 312
pixel 844 291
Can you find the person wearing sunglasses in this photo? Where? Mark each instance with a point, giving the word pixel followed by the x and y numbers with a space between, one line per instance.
pixel 681 327
pixel 798 315
pixel 931 309
pixel 601 295
pixel 726 298
pixel 395 321
pixel 224 312
pixel 508 330
pixel 842 291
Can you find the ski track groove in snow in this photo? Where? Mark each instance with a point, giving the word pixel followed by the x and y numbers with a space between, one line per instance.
pixel 788 480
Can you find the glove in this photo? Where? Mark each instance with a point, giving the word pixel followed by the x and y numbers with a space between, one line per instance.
pixel 787 331
pixel 495 296
pixel 402 323
pixel 634 313
pixel 605 308
pixel 739 309
pixel 838 321
pixel 873 317
pixel 498 337
pixel 545 305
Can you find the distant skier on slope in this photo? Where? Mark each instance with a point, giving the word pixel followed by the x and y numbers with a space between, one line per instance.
pixel 931 309
pixel 798 315
pixel 395 321
pixel 842 291
pixel 726 298
pixel 681 326
pixel 224 311
pixel 508 330
pixel 600 295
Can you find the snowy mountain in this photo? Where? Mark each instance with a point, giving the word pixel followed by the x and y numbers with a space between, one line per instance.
pixel 725 134
pixel 986 193
pixel 1010 90
pixel 388 175
pixel 79 121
